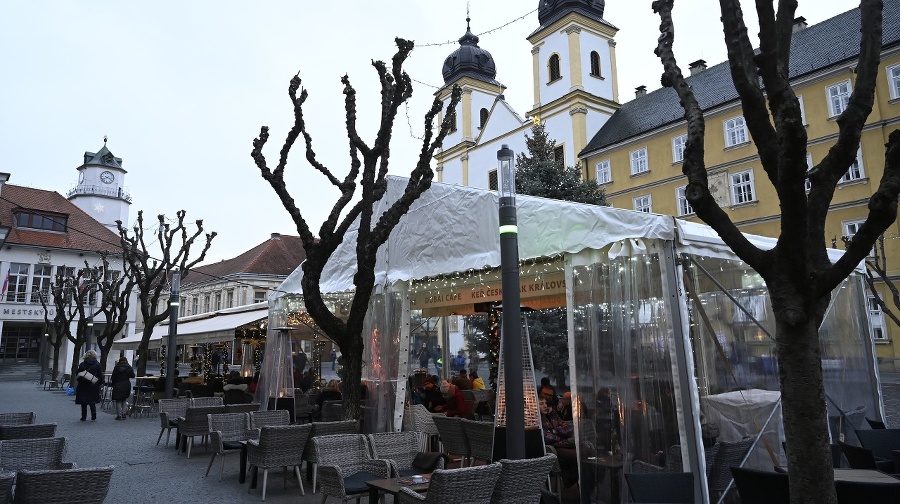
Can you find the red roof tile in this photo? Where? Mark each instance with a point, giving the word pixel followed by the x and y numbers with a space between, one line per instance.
pixel 275 256
pixel 83 231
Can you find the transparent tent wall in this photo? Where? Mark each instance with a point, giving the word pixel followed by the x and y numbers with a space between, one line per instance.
pixel 381 367
pixel 624 379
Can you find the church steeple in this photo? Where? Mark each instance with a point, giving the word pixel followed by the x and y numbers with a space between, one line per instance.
pixel 101 189
pixel 551 10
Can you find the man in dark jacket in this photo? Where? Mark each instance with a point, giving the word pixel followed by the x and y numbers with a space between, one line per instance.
pixel 87 385
pixel 121 386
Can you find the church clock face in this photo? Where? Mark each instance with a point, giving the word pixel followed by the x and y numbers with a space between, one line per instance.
pixel 107 177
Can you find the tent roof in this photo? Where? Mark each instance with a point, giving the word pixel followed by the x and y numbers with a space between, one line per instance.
pixel 218 326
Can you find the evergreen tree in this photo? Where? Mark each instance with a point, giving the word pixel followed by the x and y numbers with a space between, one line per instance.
pixel 538 173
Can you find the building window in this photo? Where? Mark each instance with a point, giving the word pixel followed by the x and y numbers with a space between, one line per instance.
pixel 742 187
pixel 604 174
pixel 553 66
pixel 40 221
pixel 206 301
pixel 809 166
pixel 850 228
pixel 492 180
pixel 639 161
pixel 802 111
pixel 735 131
pixel 453 124
pixel 684 208
pixel 482 117
pixel 229 298
pixel 893 75
pixel 678 144
pixel 643 204
pixel 218 304
pixel 182 307
pixel 559 156
pixel 595 64
pixel 876 318
pixel 195 305
pixel 259 296
pixel 40 284
pixel 838 97
pixel 855 172
pixel 16 283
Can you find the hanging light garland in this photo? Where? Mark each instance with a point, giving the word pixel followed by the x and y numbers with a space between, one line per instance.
pixel 493 328
pixel 225 358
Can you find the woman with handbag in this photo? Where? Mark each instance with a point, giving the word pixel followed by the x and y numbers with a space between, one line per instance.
pixel 121 386
pixel 89 379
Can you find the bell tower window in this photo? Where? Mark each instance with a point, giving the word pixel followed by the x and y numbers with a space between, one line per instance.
pixel 553 66
pixel 482 118
pixel 595 64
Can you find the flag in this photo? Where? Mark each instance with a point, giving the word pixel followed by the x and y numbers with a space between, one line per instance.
pixel 5 284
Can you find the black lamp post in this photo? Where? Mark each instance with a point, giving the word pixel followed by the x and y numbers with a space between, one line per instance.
pixel 512 325
pixel 174 302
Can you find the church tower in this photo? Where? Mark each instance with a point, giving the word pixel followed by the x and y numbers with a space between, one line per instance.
pixel 574 66
pixel 101 188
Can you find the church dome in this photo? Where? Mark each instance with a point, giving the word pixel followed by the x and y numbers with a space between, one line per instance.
pixel 469 60
pixel 551 10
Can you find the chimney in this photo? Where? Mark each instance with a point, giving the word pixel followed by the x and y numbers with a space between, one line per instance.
pixel 697 67
pixel 276 236
pixel 640 91
pixel 799 24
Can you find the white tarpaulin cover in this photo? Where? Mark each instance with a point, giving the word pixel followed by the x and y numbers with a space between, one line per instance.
pixel 209 328
pixel 454 228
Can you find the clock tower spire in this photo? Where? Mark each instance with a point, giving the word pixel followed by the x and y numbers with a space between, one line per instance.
pixel 101 189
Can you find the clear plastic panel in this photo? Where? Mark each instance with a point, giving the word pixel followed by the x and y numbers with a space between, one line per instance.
pixel 381 365
pixel 625 410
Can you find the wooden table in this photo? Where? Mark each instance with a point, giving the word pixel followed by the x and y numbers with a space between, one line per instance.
pixel 392 486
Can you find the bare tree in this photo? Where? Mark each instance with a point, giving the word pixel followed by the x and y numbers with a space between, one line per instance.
pixel 797 272
pixel 150 275
pixel 63 290
pixel 369 164
pixel 114 291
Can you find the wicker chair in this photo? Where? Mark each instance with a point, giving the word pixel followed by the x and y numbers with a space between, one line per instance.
pixel 400 449
pixel 344 466
pixel 279 446
pixel 453 437
pixel 17 418
pixel 468 485
pixel 324 429
pixel 260 419
pixel 880 441
pixel 480 436
pixel 729 454
pixel 34 454
pixel 197 402
pixel 863 458
pixel 195 423
pixel 169 412
pixel 6 483
pixel 32 431
pixel 302 407
pixel 421 420
pixel 661 487
pixel 226 431
pixel 241 408
pixel 332 411
pixel 90 485
pixel 761 487
pixel 521 480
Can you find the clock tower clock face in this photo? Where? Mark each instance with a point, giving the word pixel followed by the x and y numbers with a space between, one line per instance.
pixel 107 177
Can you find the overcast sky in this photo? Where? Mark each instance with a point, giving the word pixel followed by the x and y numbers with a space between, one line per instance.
pixel 181 89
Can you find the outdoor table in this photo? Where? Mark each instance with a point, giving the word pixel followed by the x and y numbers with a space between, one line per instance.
pixel 392 486
pixel 141 397
pixel 614 464
pixel 864 476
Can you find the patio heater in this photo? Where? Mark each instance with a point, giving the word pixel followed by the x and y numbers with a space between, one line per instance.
pixel 174 301
pixel 511 335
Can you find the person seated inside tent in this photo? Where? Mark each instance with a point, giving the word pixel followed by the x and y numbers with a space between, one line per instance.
pixel 454 404
pixel 331 392
pixel 430 395
pixel 462 380
pixel 561 436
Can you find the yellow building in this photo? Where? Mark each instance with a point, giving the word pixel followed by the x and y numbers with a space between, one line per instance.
pixel 637 154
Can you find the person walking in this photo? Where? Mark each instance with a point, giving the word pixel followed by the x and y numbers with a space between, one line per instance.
pixel 333 359
pixel 89 379
pixel 424 356
pixel 121 377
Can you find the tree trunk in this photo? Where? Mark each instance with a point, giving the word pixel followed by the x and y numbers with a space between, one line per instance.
pixel 143 351
pixel 55 374
pixel 352 377
pixel 803 407
pixel 76 360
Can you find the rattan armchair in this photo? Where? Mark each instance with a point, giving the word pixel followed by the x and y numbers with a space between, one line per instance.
pixel 199 402
pixel 325 429
pixel 728 455
pixel 344 466
pixel 332 411
pixel 82 486
pixel 399 449
pixel 468 485
pixel 6 483
pixel 480 436
pixel 226 431
pixel 34 454
pixel 453 437
pixel 278 446
pixel 242 407
pixel 260 419
pixel 32 431
pixel 195 423
pixel 520 481
pixel 169 412
pixel 17 418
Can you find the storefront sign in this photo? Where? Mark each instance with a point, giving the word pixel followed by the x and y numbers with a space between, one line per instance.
pixel 17 312
pixel 548 285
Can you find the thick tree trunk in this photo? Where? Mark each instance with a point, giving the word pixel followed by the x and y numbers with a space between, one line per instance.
pixel 803 410
pixel 352 378
pixel 76 360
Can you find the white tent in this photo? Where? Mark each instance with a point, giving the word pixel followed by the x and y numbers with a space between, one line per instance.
pixel 205 328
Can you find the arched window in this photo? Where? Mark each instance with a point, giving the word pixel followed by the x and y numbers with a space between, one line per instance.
pixel 595 64
pixel 483 117
pixel 453 124
pixel 553 65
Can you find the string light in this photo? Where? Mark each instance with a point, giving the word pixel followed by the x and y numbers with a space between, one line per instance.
pixel 492 30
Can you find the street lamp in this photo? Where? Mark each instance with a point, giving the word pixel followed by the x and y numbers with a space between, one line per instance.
pixel 174 301
pixel 512 327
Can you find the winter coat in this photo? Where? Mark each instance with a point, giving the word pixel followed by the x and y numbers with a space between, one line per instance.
pixel 85 391
pixel 121 381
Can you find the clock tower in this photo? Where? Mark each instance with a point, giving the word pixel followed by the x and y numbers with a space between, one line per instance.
pixel 101 188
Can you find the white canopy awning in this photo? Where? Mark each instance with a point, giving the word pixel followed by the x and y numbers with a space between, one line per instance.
pixel 209 328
